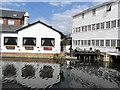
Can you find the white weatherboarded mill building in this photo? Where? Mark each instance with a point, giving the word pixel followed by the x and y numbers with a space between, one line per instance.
pixel 97 27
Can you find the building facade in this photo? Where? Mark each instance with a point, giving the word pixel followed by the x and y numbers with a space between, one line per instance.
pixel 97 28
pixel 19 36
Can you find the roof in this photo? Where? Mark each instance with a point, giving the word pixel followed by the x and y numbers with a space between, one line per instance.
pixel 17 28
pixel 95 7
pixel 10 28
pixel 11 13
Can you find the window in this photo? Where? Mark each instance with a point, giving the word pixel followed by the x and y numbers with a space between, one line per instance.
pixel 88 42
pixel 89 27
pixel 10 21
pixel 107 42
pixel 97 42
pixel 93 42
pixel 101 42
pixel 102 25
pixel 73 42
pixel 82 15
pixel 78 42
pixel 108 24
pixel 81 42
pixel 93 11
pixel 82 28
pixel 10 40
pixel 85 28
pixel 93 26
pixel 98 26
pixel 113 24
pixel 79 29
pixel 118 42
pixel 29 41
pixel 47 42
pixel 85 42
pixel 118 23
pixel 113 43
pixel 108 7
pixel 1 21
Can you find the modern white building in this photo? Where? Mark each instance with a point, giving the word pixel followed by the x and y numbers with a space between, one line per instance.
pixel 21 37
pixel 97 27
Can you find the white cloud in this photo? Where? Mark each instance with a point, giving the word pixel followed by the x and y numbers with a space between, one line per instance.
pixel 13 4
pixel 62 4
pixel 63 21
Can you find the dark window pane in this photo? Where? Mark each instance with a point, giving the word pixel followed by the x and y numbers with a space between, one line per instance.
pixel 10 40
pixel 48 42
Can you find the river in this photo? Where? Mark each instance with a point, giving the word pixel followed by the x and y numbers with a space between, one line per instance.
pixel 34 74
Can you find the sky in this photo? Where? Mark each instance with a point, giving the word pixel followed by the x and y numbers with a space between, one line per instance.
pixel 56 14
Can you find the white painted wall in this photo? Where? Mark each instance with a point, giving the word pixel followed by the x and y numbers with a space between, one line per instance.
pixel 38 31
pixel 89 19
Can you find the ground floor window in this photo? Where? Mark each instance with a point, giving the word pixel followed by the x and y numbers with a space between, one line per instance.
pixel 47 42
pixel 107 42
pixel 10 40
pixel 29 41
pixel 101 42
pixel 113 43
pixel 97 42
pixel 118 42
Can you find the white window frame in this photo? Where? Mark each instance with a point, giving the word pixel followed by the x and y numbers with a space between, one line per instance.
pixel 11 22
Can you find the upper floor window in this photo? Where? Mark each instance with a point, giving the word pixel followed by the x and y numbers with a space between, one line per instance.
pixel 108 24
pixel 113 24
pixel 102 25
pixel 82 28
pixel 93 11
pixel 108 7
pixel 89 27
pixel 1 21
pixel 82 15
pixel 10 21
pixel 98 26
pixel 118 23
pixel 85 28
pixel 93 26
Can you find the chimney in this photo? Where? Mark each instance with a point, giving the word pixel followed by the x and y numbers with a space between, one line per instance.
pixel 26 17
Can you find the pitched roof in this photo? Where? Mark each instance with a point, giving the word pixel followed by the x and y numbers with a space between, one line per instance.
pixel 9 28
pixel 21 28
pixel 11 13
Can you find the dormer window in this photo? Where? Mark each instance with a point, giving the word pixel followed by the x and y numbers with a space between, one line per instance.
pixel 82 15
pixel 108 7
pixel 10 21
pixel 14 15
pixel 93 11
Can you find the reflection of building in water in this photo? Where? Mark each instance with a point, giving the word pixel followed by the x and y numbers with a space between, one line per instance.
pixel 93 76
pixel 31 74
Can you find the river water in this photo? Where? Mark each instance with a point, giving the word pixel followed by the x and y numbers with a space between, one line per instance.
pixel 25 74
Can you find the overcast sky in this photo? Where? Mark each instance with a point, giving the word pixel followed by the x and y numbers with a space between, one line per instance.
pixel 57 14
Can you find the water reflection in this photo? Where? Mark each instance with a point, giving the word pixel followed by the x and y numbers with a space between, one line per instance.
pixel 9 70
pixel 28 71
pixel 71 74
pixel 30 74
pixel 46 72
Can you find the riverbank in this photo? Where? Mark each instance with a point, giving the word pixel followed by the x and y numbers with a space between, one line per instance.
pixel 40 56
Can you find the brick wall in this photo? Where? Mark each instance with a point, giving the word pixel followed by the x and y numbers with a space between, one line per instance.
pixel 5 21
pixel 17 21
